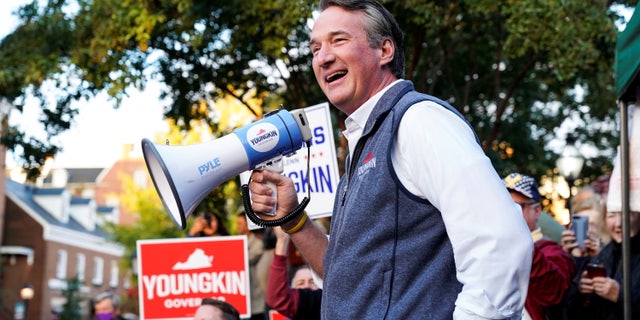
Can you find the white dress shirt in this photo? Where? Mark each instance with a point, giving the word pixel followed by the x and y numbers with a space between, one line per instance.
pixel 491 243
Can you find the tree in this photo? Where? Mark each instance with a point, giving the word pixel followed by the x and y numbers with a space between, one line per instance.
pixel 516 69
pixel 202 50
pixel 71 309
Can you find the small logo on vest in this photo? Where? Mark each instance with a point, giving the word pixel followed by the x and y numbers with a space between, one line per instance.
pixel 367 163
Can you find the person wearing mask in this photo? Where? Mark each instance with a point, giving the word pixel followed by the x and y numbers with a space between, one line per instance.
pixel 422 225
pixel 552 268
pixel 107 306
pixel 214 309
pixel 301 299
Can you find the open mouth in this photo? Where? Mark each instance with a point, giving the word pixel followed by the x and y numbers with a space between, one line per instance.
pixel 335 76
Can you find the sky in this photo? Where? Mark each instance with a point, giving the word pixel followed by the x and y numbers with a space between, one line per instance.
pixel 99 132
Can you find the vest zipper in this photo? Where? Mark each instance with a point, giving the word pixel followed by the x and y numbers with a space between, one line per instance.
pixel 351 167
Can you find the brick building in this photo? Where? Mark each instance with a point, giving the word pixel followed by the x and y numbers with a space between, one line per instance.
pixel 52 232
pixel 105 185
pixel 51 236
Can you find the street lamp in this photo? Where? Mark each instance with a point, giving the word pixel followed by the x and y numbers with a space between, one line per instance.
pixel 26 293
pixel 570 163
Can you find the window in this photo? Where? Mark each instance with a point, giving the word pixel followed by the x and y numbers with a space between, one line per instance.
pixel 98 269
pixel 140 177
pixel 61 266
pixel 81 264
pixel 113 282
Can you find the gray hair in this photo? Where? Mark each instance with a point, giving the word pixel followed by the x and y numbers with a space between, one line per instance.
pixel 115 299
pixel 379 24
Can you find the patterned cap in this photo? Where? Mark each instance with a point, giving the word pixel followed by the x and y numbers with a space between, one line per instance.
pixel 525 185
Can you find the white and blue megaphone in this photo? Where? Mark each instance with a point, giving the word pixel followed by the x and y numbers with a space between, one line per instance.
pixel 184 175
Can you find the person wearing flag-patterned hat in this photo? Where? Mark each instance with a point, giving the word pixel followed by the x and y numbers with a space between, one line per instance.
pixel 552 269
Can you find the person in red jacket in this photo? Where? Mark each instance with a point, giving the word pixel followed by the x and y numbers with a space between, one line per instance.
pixel 301 298
pixel 552 268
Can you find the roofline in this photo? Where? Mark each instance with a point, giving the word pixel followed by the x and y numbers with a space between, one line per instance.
pixel 70 237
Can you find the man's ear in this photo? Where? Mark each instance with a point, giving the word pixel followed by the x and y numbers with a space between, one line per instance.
pixel 388 50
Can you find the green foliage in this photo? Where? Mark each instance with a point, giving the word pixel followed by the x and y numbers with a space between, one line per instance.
pixel 153 222
pixel 71 310
pixel 513 69
pixel 33 55
pixel 517 69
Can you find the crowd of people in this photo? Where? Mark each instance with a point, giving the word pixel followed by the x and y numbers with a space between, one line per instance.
pixel 562 285
pixel 426 231
pixel 271 288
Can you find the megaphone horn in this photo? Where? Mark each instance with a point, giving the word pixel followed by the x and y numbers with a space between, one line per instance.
pixel 184 175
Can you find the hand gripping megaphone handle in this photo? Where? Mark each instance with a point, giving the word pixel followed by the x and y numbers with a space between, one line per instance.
pixel 274 165
pixel 246 201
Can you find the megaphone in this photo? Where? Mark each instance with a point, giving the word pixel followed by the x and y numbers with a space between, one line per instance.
pixel 184 175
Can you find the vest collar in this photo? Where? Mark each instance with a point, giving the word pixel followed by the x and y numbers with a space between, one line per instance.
pixel 386 103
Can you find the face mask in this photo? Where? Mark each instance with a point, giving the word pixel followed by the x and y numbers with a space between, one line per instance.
pixel 104 316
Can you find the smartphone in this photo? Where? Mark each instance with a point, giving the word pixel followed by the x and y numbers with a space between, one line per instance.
pixel 207 217
pixel 595 270
pixel 580 225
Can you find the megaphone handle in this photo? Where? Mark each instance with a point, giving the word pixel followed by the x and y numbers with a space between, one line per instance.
pixel 246 200
pixel 272 186
pixel 273 165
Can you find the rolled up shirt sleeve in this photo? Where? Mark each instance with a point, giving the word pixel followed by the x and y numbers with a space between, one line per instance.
pixel 491 243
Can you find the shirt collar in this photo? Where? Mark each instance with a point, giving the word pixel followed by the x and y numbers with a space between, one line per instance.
pixel 355 123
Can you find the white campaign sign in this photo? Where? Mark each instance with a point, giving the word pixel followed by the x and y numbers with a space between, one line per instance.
pixel 323 167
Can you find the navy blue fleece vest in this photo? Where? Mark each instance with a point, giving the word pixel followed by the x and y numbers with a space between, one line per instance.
pixel 389 256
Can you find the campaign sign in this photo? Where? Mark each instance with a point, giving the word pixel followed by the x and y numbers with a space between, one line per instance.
pixel 275 315
pixel 176 274
pixel 321 178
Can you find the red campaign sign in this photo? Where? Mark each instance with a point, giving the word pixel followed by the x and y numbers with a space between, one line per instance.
pixel 176 274
pixel 275 315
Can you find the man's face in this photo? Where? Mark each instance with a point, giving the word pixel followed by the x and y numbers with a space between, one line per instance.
pixel 530 209
pixel 207 312
pixel 348 70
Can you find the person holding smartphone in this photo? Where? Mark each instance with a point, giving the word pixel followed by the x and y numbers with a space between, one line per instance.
pixel 552 268
pixel 597 291
pixel 585 235
pixel 208 224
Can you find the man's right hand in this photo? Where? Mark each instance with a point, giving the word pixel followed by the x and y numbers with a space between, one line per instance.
pixel 262 196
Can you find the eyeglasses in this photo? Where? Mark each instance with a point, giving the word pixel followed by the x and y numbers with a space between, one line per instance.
pixel 523 205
